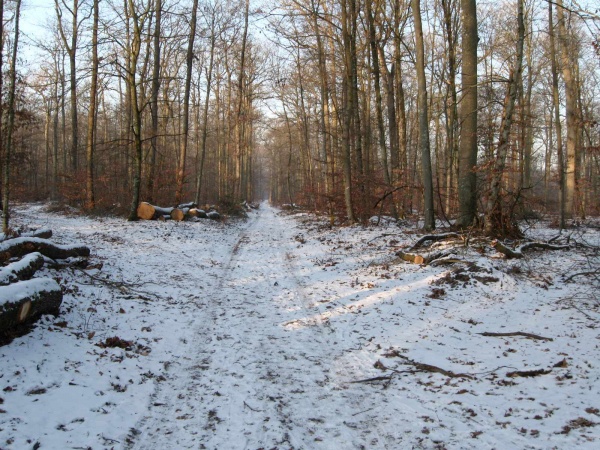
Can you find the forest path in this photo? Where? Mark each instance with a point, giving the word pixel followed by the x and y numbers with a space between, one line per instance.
pixel 260 372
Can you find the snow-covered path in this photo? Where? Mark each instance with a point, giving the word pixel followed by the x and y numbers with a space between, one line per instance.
pixel 256 374
pixel 281 333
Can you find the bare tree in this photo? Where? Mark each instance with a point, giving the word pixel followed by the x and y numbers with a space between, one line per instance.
pixel 189 59
pixel 495 222
pixel 71 47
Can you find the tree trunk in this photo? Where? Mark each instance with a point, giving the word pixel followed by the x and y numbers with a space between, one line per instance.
pixel 424 145
pixel 570 110
pixel 186 105
pixel 209 74
pixel 347 113
pixel 11 121
pixel 467 160
pixel 494 214
pixel 136 113
pixel 91 132
pixel 556 111
pixel 154 101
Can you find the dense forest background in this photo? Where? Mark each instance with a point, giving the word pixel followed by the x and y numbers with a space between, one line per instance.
pixel 461 111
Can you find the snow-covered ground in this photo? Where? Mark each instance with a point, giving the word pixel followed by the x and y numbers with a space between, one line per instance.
pixel 279 333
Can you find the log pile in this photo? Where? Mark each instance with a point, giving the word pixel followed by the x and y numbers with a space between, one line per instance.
pixel 185 211
pixel 23 298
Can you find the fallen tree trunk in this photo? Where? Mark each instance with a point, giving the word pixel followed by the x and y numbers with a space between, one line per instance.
pixel 25 301
pixel 433 238
pixel 188 205
pixel 18 247
pixel 518 252
pixel 21 270
pixel 44 233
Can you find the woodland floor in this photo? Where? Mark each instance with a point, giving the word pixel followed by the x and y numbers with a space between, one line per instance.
pixel 280 333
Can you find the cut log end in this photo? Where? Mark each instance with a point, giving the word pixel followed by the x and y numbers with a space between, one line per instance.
pixel 177 214
pixel 146 211
pixel 24 302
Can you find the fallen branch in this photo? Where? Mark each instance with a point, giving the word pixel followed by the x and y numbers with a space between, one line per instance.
pixel 381 236
pixel 517 333
pixel 528 373
pixel 387 194
pixel 518 252
pixel 580 274
pixel 122 287
pixel 449 261
pixel 435 369
pixel 421 367
pixel 371 380
pixel 433 238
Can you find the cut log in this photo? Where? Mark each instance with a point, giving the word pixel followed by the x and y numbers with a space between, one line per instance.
pixel 199 213
pixel 213 215
pixel 189 205
pixel 420 259
pixel 409 257
pixel 146 211
pixel 25 301
pixel 177 214
pixel 44 233
pixel 21 270
pixel 15 248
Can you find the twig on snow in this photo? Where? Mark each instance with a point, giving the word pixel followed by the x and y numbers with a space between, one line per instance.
pixel 517 333
pixel 592 272
pixel 251 408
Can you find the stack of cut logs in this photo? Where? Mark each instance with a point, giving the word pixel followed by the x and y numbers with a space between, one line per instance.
pixel 146 211
pixel 24 299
